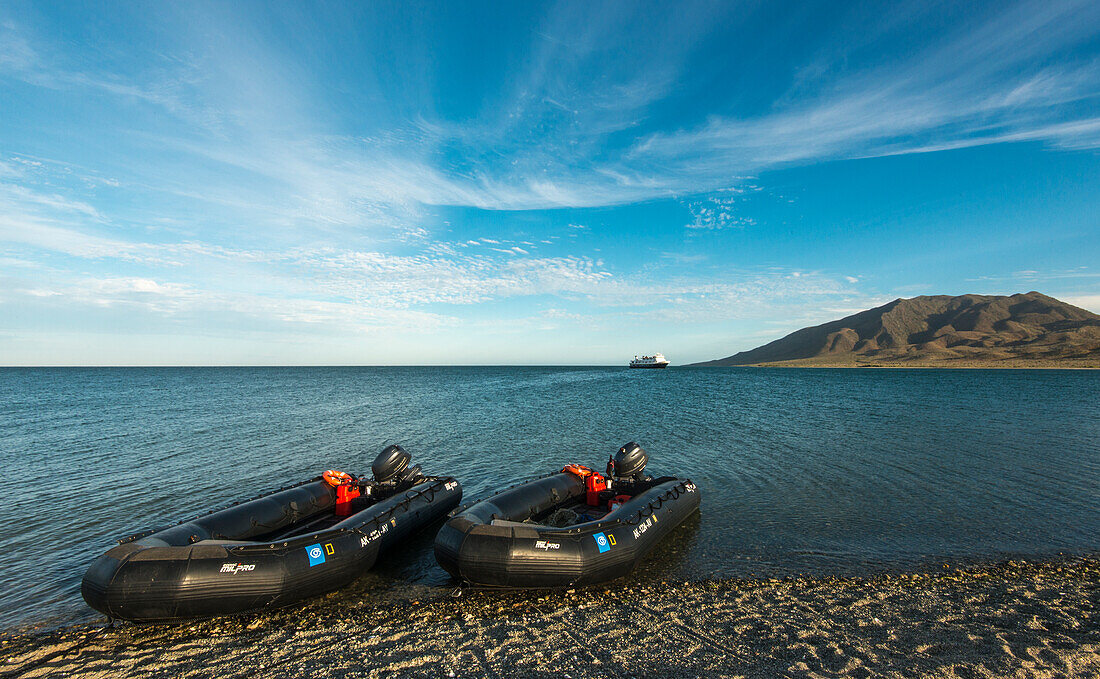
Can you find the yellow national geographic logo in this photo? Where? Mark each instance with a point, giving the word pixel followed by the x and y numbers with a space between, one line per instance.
pixel 329 549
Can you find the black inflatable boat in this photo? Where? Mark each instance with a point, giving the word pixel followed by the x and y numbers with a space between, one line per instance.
pixel 294 543
pixel 571 528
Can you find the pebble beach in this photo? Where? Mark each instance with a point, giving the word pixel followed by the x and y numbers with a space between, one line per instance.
pixel 1014 619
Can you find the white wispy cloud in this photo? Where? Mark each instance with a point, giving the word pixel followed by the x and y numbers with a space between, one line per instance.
pixel 326 284
pixel 552 141
pixel 984 86
pixel 185 304
pixel 717 212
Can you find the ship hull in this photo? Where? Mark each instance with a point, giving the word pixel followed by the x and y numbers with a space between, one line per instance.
pixel 650 366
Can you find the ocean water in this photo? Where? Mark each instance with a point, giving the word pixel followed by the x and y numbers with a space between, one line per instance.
pixel 801 471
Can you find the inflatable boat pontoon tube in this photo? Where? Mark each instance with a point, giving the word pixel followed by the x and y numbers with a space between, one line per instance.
pixel 495 544
pixel 269 551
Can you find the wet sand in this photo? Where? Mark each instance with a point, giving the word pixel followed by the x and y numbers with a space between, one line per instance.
pixel 1015 619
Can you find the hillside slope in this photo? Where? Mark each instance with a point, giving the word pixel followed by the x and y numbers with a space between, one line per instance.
pixel 1020 329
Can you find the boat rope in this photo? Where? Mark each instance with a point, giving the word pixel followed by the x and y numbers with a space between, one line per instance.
pixel 410 496
pixel 672 493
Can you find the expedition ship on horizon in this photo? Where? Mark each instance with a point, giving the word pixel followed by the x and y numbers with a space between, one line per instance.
pixel 654 361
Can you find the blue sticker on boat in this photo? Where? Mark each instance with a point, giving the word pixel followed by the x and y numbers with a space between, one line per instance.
pixel 316 555
pixel 601 542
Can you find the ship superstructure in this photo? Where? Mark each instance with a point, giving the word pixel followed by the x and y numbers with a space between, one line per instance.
pixel 654 361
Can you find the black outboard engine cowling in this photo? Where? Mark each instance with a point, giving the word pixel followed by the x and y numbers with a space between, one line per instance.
pixel 391 464
pixel 630 462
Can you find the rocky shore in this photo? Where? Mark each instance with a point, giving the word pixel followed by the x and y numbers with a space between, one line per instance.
pixel 1017 619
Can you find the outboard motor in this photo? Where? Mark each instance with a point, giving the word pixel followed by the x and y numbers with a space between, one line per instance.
pixel 630 462
pixel 393 465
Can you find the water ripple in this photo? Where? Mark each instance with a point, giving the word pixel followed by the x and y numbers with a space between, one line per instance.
pixel 825 471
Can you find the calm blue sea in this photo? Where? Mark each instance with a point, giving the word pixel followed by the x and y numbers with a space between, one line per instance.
pixel 802 471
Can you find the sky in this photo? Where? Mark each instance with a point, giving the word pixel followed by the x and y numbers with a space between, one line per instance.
pixel 528 183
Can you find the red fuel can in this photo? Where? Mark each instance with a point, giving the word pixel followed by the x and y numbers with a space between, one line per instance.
pixel 593 484
pixel 345 493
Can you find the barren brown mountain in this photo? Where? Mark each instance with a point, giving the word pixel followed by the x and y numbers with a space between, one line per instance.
pixel 1023 330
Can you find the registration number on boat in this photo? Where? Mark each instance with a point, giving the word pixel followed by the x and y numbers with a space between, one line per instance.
pixel 377 533
pixel 644 526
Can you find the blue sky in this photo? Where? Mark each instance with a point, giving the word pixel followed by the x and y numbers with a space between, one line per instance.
pixel 404 183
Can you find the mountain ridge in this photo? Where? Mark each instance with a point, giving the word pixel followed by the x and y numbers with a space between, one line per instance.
pixel 933 330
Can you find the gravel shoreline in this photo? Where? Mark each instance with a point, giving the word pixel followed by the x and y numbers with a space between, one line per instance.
pixel 1018 619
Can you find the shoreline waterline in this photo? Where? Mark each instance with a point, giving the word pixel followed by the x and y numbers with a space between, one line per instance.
pixel 1024 618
